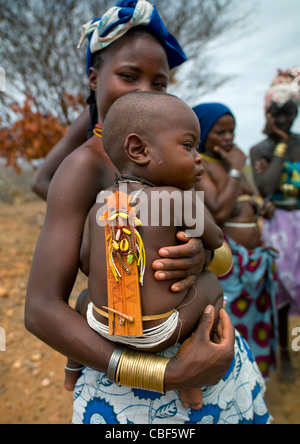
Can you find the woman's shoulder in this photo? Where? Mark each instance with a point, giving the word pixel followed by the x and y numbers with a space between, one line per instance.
pixel 296 137
pixel 89 159
pixel 264 144
pixel 85 172
pixel 86 154
pixel 262 149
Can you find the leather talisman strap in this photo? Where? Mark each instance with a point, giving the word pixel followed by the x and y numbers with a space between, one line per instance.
pixel 125 263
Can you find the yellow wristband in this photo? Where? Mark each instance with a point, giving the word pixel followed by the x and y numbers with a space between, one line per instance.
pixel 222 261
pixel 143 371
pixel 280 150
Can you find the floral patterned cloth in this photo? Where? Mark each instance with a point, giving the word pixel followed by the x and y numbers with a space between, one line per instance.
pixel 237 399
pixel 250 290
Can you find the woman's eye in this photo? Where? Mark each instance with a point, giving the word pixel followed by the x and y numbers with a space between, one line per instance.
pixel 160 86
pixel 128 77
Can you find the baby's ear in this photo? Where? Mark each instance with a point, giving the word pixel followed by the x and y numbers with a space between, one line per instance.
pixel 136 149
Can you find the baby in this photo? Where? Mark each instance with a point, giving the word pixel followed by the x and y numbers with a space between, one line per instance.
pixel 152 138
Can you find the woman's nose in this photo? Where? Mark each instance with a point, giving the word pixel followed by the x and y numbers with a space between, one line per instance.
pixel 229 136
pixel 144 86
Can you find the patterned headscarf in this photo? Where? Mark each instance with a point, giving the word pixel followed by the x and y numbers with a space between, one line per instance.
pixel 284 88
pixel 208 114
pixel 127 14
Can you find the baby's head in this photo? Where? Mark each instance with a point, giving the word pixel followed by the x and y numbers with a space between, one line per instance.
pixel 154 136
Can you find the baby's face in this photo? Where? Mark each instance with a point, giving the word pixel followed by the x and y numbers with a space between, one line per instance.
pixel 175 160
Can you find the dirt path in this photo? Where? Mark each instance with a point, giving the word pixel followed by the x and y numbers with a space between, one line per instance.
pixel 31 374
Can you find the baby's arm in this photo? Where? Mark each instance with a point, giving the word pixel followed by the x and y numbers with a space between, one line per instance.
pixel 199 222
pixel 212 237
pixel 206 291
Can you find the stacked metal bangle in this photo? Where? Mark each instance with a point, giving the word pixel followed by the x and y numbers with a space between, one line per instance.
pixel 113 363
pixel 138 370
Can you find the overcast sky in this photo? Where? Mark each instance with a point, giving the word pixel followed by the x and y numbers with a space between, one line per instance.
pixel 272 41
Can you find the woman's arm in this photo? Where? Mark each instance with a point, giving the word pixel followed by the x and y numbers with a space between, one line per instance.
pixel 198 352
pixel 221 204
pixel 274 151
pixel 266 179
pixel 75 137
pixel 54 270
pixel 56 261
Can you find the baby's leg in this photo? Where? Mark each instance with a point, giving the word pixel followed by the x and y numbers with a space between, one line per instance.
pixel 191 398
pixel 73 369
pixel 206 291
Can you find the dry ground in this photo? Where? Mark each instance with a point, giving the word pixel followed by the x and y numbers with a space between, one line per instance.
pixel 31 374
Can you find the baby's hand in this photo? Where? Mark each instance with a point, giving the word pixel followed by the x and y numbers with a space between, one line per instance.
pixel 191 398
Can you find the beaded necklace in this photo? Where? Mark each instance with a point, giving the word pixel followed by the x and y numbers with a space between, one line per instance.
pixel 212 159
pixel 132 179
pixel 98 130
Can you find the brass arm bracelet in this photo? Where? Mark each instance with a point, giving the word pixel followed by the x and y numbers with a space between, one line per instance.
pixel 280 150
pixel 144 371
pixel 222 261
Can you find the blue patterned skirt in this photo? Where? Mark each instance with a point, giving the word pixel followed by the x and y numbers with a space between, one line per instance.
pixel 250 289
pixel 237 399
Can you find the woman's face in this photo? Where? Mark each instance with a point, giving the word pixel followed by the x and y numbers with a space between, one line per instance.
pixel 136 63
pixel 221 134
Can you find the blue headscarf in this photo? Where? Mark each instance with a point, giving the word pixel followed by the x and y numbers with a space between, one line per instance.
pixel 127 14
pixel 208 114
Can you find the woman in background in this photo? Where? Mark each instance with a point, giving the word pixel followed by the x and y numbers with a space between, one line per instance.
pixel 250 287
pixel 276 167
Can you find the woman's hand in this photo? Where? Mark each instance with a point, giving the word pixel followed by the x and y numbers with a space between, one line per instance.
pixel 261 166
pixel 235 158
pixel 184 262
pixel 199 361
pixel 267 210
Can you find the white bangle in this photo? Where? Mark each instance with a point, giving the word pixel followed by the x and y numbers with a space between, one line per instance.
pixel 235 174
pixel 78 369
